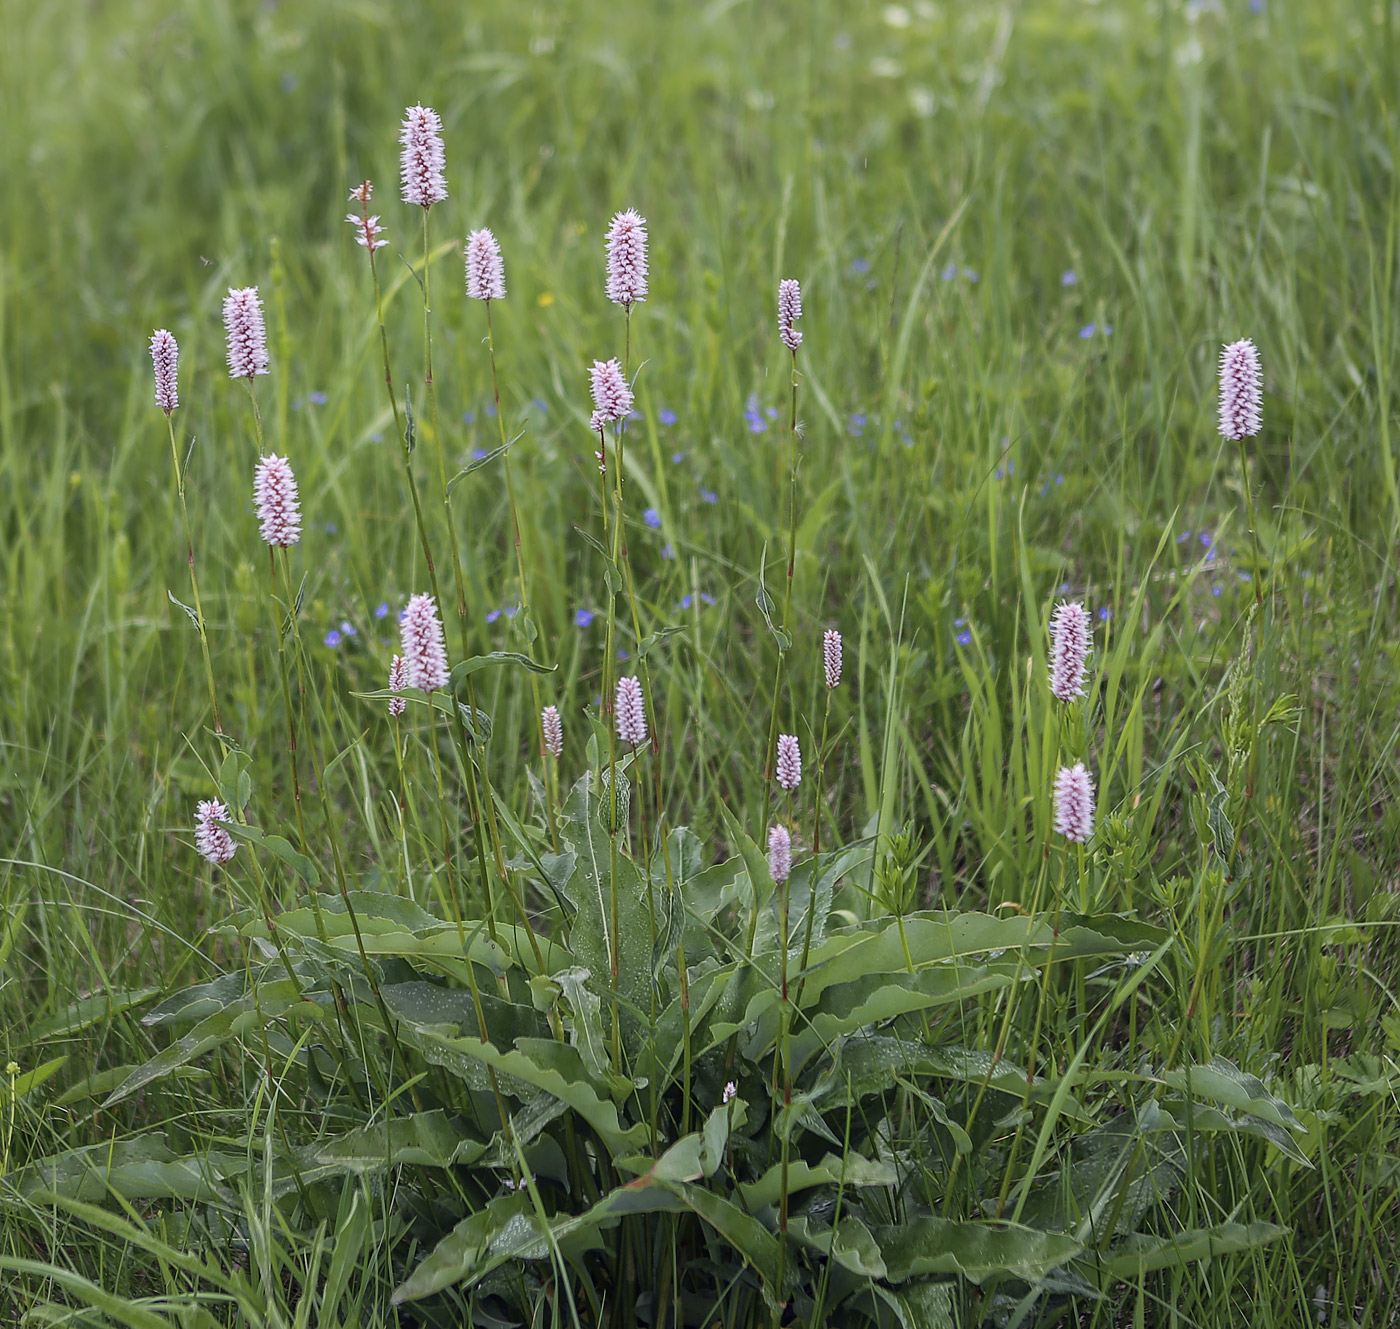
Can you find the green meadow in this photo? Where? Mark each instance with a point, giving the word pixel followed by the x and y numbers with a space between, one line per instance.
pixel 467 1033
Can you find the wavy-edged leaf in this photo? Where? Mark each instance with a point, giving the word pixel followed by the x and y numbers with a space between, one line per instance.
pixel 89 1011
pixel 833 1170
pixel 144 1168
pixel 927 1245
pixel 1140 1254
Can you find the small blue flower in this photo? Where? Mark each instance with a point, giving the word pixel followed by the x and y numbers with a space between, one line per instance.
pixel 1064 588
pixel 382 609
pixel 1108 329
pixel 1086 331
pixel 1105 614
pixel 479 453
pixel 348 629
pixel 677 458
pixel 1045 489
pixel 539 405
pixel 1068 278
pixel 706 598
pixel 668 551
pixel 771 412
pixel 1244 576
pixel 635 414
pixel 667 416
pixel 512 611
pixel 960 622
pixel 1183 537
pixel 971 275
pixel 949 272
pixel 1059 479
pixel 317 398
pixel 1215 591
pixel 652 518
pixel 492 615
pixel 468 417
pixel 964 637
pixel 621 654
pixel 686 602
pixel 332 528
pixel 583 617
pixel 860 266
pixel 491 411
pixel 709 496
pixel 1207 539
pixel 332 639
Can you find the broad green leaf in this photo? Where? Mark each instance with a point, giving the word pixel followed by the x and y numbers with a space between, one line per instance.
pixel 1221 1081
pixel 279 847
pixel 89 1011
pixel 470 1249
pixel 851 1244
pixel 833 1170
pixel 928 1245
pixel 1140 1254
pixel 144 1168
pixel 426 1139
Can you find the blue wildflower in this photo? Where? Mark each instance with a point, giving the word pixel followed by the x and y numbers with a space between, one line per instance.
pixel 468 417
pixel 512 611
pixel 492 615
pixel 1215 591
pixel 1068 278
pixel 1207 539
pixel 491 411
pixel 860 266
pixel 971 275
pixel 858 424
pixel 677 458
pixel 706 598
pixel 964 637
pixel 317 398
pixel 709 496
pixel 479 453
pixel 1183 537
pixel 332 639
pixel 652 518
pixel 686 602
pixel 667 416
pixel 382 609
pixel 332 528
pixel 668 551
pixel 1105 614
pixel 583 617
pixel 1086 331
pixel 348 629
pixel 539 405
pixel 949 272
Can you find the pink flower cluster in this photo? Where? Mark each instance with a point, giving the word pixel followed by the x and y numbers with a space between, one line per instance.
pixel 275 496
pixel 1240 397
pixel 553 728
pixel 398 681
pixel 210 838
pixel 370 232
pixel 831 656
pixel 789 311
pixel 1069 650
pixel 1074 803
pixel 424 651
pixel 486 272
pixel 612 398
pixel 631 712
pixel 788 768
pixel 779 854
pixel 422 159
pixel 165 360
pixel 247 337
pixel 627 258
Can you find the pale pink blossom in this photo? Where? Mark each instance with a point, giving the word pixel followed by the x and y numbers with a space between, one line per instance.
pixel 631 712
pixel 398 681
pixel 275 495
pixel 247 337
pixel 779 854
pixel 486 270
pixel 210 838
pixel 422 158
pixel 165 360
pixel 627 258
pixel 553 728
pixel 789 763
pixel 1240 384
pixel 789 311
pixel 424 651
pixel 1074 803
pixel 368 231
pixel 1069 650
pixel 831 656
pixel 611 395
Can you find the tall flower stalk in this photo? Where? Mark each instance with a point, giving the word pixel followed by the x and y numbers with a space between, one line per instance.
pixel 165 361
pixel 1241 417
pixel 246 337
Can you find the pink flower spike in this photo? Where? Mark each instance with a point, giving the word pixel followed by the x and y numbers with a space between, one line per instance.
pixel 1240 396
pixel 611 395
pixel 1069 650
pixel 422 159
pixel 789 764
pixel 210 838
pixel 165 359
pixel 789 311
pixel 275 495
pixel 627 258
pixel 247 337
pixel 553 728
pixel 486 271
pixel 424 652
pixel 631 713
pixel 362 193
pixel 1074 803
pixel 779 854
pixel 831 656
pixel 398 681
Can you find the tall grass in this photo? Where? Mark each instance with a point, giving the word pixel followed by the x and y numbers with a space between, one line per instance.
pixel 975 442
